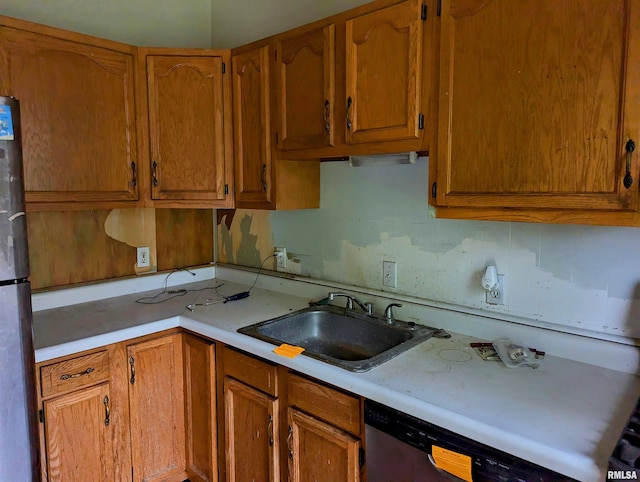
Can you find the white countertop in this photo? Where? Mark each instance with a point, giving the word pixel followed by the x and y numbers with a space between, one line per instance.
pixel 565 416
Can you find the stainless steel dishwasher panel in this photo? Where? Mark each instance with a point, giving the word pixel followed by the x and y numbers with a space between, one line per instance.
pixel 388 459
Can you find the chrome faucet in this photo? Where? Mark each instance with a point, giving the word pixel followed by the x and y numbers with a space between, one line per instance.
pixel 366 307
pixel 388 313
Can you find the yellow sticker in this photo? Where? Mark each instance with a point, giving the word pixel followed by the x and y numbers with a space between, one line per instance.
pixel 289 351
pixel 452 462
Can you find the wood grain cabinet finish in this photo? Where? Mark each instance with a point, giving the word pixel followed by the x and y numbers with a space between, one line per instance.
pixel 77 103
pixel 384 74
pixel 156 405
pixel 200 409
pixel 189 102
pixel 305 76
pixel 251 433
pixel 537 102
pixel 78 436
pixel 320 451
pixel 252 128
pixel 262 181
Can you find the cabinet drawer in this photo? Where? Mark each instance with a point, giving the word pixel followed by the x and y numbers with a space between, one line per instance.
pixel 329 404
pixel 75 373
pixel 254 372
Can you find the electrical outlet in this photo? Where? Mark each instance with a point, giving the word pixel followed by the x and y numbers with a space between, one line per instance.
pixel 281 258
pixel 390 274
pixel 144 260
pixel 499 295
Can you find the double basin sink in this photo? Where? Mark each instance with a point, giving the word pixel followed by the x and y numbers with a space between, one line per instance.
pixel 353 341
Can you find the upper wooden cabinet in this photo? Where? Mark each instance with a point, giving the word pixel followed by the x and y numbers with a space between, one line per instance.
pixel 261 181
pixel 355 83
pixel 305 76
pixel 77 103
pixel 537 104
pixel 190 139
pixel 384 74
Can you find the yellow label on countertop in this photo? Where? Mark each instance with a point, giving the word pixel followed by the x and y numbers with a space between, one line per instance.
pixel 452 462
pixel 289 351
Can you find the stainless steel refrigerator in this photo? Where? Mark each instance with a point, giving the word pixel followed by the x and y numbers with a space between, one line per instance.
pixel 19 447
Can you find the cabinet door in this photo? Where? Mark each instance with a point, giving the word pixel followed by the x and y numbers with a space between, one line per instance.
pixel 384 74
pixel 186 128
pixel 200 409
pixel 156 404
pixel 77 114
pixel 78 436
pixel 319 451
pixel 537 101
pixel 251 428
pixel 305 83
pixel 252 133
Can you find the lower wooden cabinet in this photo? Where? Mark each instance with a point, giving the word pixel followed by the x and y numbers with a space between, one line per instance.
pixel 322 430
pixel 118 413
pixel 156 405
pixel 320 451
pixel 78 435
pixel 251 428
pixel 147 410
pixel 200 409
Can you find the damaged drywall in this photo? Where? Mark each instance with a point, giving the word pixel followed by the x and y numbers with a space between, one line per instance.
pixel 581 277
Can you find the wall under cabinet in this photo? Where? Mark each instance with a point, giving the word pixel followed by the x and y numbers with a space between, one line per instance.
pixel 70 247
pixel 565 276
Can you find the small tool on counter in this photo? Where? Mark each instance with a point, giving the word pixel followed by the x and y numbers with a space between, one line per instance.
pixel 238 296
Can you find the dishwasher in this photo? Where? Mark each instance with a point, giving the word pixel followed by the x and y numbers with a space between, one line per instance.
pixel 402 448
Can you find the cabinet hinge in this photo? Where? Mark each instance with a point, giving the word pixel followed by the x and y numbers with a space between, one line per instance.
pixel 434 190
pixel 439 8
pixel 226 189
pixel 224 68
pixel 361 457
pixel 423 16
pixel 41 415
pixel 421 121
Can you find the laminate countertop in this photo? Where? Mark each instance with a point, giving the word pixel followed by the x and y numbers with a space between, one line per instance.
pixel 565 415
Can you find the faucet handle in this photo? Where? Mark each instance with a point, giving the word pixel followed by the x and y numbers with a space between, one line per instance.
pixel 388 311
pixel 369 307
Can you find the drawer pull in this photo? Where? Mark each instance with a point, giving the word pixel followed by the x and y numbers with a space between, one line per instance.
pixel 348 113
pixel 107 412
pixel 327 113
pixel 67 376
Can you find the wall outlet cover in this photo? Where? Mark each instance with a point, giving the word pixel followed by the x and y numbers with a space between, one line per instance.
pixel 144 256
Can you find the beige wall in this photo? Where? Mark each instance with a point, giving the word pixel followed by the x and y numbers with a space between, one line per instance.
pixel 238 22
pixel 154 23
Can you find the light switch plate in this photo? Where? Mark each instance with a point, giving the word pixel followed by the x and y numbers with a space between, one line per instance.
pixel 390 274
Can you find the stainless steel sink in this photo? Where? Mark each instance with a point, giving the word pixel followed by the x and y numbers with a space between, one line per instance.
pixel 351 341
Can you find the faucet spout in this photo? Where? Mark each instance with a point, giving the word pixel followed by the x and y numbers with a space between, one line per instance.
pixel 365 307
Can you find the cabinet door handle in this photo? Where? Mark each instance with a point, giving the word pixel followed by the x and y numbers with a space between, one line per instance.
pixel 134 174
pixel 107 412
pixel 132 362
pixel 263 177
pixel 348 113
pixel 155 173
pixel 289 437
pixel 327 125
pixel 67 376
pixel 270 430
pixel 630 146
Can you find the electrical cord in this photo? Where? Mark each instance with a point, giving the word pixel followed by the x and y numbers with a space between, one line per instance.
pixel 152 300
